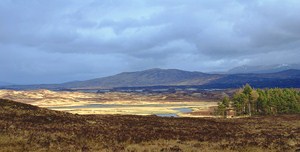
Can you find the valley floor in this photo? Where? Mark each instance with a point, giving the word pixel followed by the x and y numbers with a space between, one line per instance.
pixel 197 104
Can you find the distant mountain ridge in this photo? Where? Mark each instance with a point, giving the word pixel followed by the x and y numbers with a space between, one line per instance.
pixel 174 77
pixel 263 68
pixel 149 77
pixel 285 79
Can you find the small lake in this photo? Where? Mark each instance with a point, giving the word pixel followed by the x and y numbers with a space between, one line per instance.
pixel 183 110
pixel 180 110
pixel 167 115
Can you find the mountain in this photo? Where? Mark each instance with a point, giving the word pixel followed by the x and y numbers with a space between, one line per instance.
pixel 263 68
pixel 174 77
pixel 283 79
pixel 152 77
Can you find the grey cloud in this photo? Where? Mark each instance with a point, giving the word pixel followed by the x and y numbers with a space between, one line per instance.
pixel 84 39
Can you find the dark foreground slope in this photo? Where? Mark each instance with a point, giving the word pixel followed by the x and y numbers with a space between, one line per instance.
pixel 29 128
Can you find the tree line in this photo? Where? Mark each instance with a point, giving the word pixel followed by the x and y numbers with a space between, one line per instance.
pixel 249 101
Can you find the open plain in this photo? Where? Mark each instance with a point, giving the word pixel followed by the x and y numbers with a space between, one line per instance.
pixel 163 104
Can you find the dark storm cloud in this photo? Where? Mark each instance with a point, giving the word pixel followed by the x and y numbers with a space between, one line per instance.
pixel 55 41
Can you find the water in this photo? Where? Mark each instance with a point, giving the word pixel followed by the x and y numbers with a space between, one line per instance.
pixel 183 110
pixel 180 110
pixel 167 115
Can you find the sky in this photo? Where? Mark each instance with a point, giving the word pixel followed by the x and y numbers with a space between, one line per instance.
pixel 54 41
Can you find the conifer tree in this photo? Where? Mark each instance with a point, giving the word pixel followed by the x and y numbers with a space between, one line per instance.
pixel 248 101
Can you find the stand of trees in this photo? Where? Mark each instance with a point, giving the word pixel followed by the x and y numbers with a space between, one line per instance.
pixel 249 101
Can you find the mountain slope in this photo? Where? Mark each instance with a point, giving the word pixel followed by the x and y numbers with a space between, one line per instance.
pixel 263 68
pixel 288 78
pixel 173 77
pixel 150 77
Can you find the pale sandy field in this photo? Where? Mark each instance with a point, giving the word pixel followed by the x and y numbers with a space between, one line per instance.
pixel 123 103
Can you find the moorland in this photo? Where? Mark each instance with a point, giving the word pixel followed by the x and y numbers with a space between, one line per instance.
pixel 199 104
pixel 129 118
pixel 25 127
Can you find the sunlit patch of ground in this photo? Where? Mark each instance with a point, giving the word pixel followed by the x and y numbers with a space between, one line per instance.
pixel 152 108
pixel 123 103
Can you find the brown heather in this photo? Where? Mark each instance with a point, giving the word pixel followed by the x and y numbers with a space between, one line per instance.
pixel 28 128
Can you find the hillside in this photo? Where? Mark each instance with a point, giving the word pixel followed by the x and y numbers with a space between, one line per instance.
pixel 29 128
pixel 263 68
pixel 150 77
pixel 174 77
pixel 283 79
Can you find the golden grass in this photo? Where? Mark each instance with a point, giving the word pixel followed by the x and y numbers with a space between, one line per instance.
pixel 49 99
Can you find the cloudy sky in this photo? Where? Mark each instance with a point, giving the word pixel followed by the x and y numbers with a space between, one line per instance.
pixel 53 41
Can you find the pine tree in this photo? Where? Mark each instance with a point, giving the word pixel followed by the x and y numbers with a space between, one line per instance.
pixel 265 102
